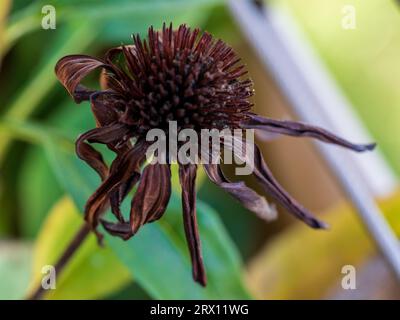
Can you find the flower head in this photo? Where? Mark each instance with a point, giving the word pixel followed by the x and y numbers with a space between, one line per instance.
pixel 178 75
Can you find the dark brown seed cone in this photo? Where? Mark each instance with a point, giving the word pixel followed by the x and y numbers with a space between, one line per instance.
pixel 183 76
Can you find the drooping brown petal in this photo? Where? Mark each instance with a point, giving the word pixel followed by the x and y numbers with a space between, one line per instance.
pixel 152 196
pixel 71 70
pixel 117 196
pixel 271 186
pixel 187 177
pixel 122 168
pixel 149 202
pixel 298 129
pixel 104 135
pixel 115 136
pixel 248 197
pixel 121 229
pixel 92 157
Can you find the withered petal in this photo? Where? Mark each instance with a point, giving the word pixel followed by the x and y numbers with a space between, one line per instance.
pixel 187 178
pixel 103 104
pixel 117 80
pixel 117 196
pixel 152 196
pixel 121 229
pixel 71 70
pixel 272 187
pixel 91 156
pixel 298 129
pixel 121 170
pixel 149 202
pixel 246 196
pixel 103 135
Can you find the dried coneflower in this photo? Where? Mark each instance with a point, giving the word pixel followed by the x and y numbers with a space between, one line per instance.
pixel 178 75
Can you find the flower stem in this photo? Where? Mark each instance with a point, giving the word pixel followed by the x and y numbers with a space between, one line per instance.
pixel 74 245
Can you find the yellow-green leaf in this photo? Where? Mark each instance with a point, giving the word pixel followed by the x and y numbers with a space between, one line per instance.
pixel 302 263
pixel 4 9
pixel 93 272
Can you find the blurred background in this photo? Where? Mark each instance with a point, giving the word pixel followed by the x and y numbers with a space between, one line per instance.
pixel 43 186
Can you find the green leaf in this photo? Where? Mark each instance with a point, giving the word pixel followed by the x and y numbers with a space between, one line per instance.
pixel 34 177
pixel 120 30
pixel 35 174
pixel 74 37
pixel 93 272
pixel 4 8
pixel 158 256
pixel 15 269
pixel 102 11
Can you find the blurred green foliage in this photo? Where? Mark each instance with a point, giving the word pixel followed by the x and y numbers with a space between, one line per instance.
pixel 364 61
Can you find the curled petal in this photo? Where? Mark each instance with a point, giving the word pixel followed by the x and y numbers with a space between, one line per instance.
pixel 248 197
pixel 71 70
pixel 121 170
pixel 112 53
pixel 104 106
pixel 117 196
pixel 272 187
pixel 298 129
pixel 121 229
pixel 91 156
pixel 187 177
pixel 152 196
pixel 118 79
pixel 109 81
pixel 104 135
pixel 149 203
pixel 111 135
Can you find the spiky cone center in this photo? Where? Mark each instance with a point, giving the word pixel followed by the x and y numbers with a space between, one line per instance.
pixel 183 77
